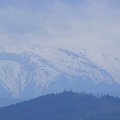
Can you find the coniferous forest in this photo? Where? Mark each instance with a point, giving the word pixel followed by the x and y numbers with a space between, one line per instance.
pixel 65 106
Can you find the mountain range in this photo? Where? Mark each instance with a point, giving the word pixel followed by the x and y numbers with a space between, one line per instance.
pixel 35 72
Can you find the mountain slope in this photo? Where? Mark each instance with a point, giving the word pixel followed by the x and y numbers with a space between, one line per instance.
pixel 8 101
pixel 64 106
pixel 108 62
pixel 40 71
pixel 19 70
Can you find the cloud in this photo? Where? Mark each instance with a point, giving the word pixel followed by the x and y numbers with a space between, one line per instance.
pixel 62 23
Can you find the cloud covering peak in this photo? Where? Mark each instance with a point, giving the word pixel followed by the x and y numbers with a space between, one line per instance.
pixel 60 23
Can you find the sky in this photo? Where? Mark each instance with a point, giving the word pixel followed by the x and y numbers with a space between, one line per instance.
pixel 72 24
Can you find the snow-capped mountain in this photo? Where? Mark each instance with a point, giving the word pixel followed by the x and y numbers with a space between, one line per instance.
pixel 39 71
pixel 108 62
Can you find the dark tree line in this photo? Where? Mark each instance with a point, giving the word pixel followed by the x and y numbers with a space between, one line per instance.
pixel 65 106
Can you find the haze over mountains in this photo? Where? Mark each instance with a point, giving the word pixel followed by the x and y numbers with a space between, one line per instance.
pixel 30 73
pixel 51 46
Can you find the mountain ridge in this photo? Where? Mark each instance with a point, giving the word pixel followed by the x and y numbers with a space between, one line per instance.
pixel 48 67
pixel 65 105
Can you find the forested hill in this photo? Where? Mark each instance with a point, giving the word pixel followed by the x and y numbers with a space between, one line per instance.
pixel 64 106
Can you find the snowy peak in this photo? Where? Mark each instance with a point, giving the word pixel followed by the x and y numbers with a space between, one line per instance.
pixel 33 72
pixel 106 61
pixel 18 70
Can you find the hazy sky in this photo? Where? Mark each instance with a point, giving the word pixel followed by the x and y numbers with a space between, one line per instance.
pixel 71 24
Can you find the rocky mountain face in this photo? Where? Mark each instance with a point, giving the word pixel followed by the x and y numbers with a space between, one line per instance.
pixel 39 71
